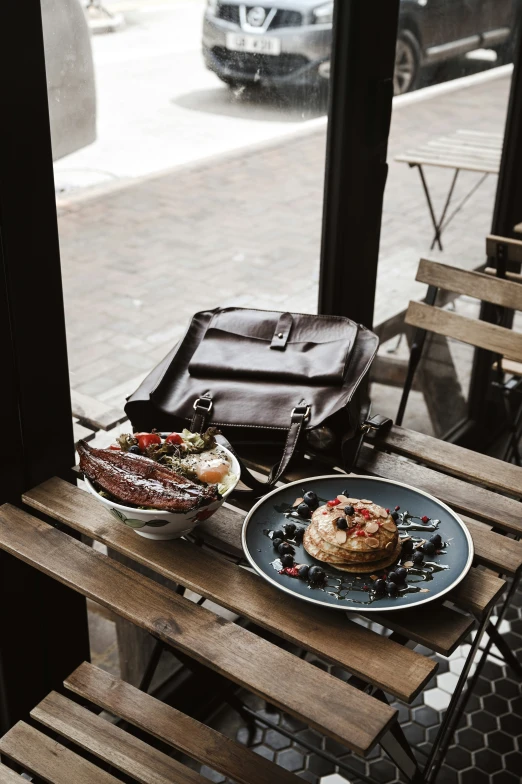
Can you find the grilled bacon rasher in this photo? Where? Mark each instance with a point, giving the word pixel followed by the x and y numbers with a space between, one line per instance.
pixel 137 480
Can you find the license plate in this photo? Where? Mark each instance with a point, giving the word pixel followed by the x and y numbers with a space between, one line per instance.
pixel 255 44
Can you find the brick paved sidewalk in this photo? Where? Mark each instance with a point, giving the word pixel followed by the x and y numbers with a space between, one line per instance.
pixel 245 229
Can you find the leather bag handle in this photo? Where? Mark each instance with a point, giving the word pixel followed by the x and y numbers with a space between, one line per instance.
pixel 299 417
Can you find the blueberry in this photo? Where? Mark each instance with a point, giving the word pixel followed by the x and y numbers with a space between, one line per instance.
pixel 277 542
pixel 341 523
pixel 278 534
pixel 311 500
pixel 349 510
pixel 429 548
pixel 392 589
pixel 380 587
pixel 285 549
pixel 135 450
pixel 401 573
pixel 395 516
pixel 298 536
pixel 407 546
pixel 290 530
pixel 303 572
pixel 304 511
pixel 393 577
pixel 316 575
pixel 418 557
pixel 287 560
pixel 436 540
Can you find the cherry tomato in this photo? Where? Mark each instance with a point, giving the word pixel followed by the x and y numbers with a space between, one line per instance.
pixel 174 438
pixel 147 439
pixel 115 447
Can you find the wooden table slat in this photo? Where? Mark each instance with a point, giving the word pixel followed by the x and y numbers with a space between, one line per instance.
pixel 449 163
pixel 479 592
pixel 400 672
pixel 424 624
pixel 496 510
pixel 500 553
pixel 182 732
pixel 49 760
pixel 111 744
pixel 339 710
pixel 443 635
pixel 472 466
pixel 8 776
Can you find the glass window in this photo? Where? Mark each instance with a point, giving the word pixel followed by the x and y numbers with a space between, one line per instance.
pixel 204 184
pixel 453 76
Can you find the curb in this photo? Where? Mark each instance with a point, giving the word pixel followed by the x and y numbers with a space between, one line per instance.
pixel 85 195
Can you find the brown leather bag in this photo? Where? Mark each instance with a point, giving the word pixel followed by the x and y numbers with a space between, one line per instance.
pixel 263 377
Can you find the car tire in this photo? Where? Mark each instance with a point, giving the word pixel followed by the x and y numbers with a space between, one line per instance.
pixel 407 63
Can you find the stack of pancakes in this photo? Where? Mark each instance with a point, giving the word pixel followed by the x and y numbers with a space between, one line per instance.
pixel 369 542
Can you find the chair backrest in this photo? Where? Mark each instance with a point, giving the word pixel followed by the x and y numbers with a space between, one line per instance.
pixel 505 293
pixel 510 249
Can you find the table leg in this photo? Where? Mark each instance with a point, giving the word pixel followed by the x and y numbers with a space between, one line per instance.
pixel 454 710
pixel 444 211
pixel 436 226
pixel 401 755
pixel 467 197
pixel 506 652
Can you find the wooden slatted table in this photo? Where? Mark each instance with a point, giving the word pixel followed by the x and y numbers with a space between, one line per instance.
pixel 473 151
pixel 355 713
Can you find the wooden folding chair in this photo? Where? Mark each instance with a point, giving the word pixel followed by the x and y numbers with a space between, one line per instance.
pixel 504 343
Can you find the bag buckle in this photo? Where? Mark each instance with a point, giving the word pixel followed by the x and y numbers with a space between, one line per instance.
pixel 198 404
pixel 302 411
pixel 376 424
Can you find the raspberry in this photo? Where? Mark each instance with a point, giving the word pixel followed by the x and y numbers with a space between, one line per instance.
pixel 365 513
pixel 425 519
pixel 333 502
pixel 397 508
pixel 291 571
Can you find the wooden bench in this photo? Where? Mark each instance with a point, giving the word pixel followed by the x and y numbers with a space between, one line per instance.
pixel 86 730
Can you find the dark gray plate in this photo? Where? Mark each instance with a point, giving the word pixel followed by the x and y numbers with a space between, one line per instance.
pixel 354 592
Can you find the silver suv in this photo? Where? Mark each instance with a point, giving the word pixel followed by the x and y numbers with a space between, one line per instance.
pixel 278 43
pixel 289 41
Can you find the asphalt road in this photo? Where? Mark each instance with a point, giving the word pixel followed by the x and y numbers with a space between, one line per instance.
pixel 158 106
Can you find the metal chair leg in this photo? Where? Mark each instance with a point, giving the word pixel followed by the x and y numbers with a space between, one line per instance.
pixel 506 652
pixel 415 357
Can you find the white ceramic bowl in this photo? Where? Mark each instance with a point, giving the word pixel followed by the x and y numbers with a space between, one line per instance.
pixel 157 524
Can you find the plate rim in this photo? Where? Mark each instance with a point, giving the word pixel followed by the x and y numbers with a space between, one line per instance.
pixel 343 608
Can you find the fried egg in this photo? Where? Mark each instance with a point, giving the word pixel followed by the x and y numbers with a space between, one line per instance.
pixel 211 468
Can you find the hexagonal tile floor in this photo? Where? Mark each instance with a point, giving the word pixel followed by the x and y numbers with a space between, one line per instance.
pixel 488 742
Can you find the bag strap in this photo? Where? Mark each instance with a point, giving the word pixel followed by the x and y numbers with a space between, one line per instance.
pixel 298 418
pixel 351 447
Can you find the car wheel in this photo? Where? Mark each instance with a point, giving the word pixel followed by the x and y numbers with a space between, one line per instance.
pixel 407 63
